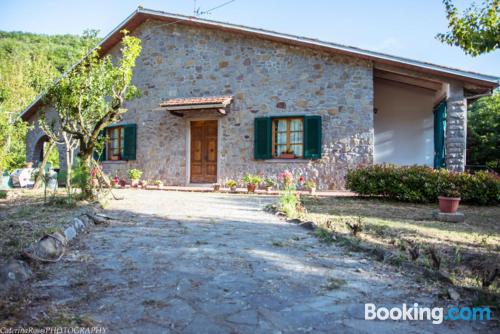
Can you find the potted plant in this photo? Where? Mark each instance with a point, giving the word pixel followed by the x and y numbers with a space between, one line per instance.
pixel 449 199
pixel 134 176
pixel 270 184
pixel 143 184
pixel 231 184
pixel 158 183
pixel 252 181
pixel 288 154
pixel 123 183
pixel 216 187
pixel 311 186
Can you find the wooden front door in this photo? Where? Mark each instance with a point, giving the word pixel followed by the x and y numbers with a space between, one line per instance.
pixel 203 151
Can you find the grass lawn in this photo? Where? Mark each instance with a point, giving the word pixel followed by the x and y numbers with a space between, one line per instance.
pixel 467 253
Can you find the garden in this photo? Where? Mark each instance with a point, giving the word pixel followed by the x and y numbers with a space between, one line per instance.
pixel 391 220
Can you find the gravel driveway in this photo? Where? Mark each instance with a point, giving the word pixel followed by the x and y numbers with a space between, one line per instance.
pixel 214 263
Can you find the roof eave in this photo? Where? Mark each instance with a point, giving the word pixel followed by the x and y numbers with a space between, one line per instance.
pixel 139 15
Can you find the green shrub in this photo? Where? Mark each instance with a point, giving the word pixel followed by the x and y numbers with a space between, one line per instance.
pixel 287 203
pixel 252 179
pixel 80 177
pixel 420 184
pixel 3 194
pixel 134 174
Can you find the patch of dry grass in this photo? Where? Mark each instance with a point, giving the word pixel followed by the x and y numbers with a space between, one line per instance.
pixel 24 218
pixel 468 252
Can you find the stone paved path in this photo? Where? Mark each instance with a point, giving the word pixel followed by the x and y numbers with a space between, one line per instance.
pixel 213 263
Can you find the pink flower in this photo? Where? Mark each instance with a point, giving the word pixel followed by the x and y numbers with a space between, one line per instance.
pixel 301 179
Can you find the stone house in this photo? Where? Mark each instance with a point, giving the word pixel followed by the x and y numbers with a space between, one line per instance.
pixel 220 100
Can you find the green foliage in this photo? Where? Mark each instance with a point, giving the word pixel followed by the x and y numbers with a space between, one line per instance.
pixel 252 179
pixel 483 132
pixel 270 182
pixel 309 184
pixel 28 63
pixel 476 31
pixel 80 176
pixel 92 95
pixel 420 184
pixel 287 202
pixel 231 183
pixel 53 157
pixel 3 194
pixel 134 174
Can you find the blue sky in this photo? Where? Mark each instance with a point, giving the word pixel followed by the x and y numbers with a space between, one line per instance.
pixel 404 28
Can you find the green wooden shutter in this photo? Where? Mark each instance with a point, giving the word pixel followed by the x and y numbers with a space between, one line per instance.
pixel 312 137
pixel 439 134
pixel 130 142
pixel 262 138
pixel 102 156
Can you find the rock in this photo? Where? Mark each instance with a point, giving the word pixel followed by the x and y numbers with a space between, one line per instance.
pixel 86 220
pixel 48 247
pixel 98 219
pixel 294 221
pixel 457 217
pixel 78 224
pixel 453 294
pixel 308 226
pixel 15 270
pixel 70 233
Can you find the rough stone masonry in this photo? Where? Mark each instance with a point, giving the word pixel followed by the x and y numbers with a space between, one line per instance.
pixel 266 79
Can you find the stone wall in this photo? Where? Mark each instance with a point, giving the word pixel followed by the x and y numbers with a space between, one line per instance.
pixel 266 79
pixel 456 128
pixel 35 137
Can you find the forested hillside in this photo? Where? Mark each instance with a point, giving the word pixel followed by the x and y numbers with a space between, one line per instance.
pixel 28 63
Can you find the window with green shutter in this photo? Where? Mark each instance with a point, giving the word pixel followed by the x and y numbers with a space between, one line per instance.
pixel 290 137
pixel 262 138
pixel 130 142
pixel 312 138
pixel 121 143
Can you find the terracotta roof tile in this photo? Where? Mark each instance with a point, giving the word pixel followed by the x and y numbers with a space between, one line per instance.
pixel 197 101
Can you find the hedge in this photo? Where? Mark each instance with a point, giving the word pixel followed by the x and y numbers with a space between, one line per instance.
pixel 420 184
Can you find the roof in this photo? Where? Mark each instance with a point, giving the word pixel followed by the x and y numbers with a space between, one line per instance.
pixel 197 102
pixel 140 15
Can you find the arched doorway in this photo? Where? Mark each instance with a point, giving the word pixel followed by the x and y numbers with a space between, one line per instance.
pixel 40 151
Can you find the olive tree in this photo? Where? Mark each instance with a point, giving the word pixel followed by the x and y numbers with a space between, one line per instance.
pixel 91 96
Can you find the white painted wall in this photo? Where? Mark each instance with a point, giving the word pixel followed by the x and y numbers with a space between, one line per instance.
pixel 403 124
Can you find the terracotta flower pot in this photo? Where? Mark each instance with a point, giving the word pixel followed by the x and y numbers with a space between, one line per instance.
pixel 312 191
pixel 216 187
pixel 269 189
pixel 233 189
pixel 448 204
pixel 134 183
pixel 251 187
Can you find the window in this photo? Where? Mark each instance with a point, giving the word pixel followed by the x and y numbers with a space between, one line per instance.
pixel 115 143
pixel 288 138
pixel 121 143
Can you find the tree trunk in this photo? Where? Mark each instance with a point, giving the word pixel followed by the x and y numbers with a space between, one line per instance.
pixel 41 168
pixel 86 167
pixel 69 160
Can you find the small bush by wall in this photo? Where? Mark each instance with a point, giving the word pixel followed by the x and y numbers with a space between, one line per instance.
pixel 420 184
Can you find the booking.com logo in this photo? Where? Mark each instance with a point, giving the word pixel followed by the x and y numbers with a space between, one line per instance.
pixel 436 314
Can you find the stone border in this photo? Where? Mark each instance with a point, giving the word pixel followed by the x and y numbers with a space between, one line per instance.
pixel 49 249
